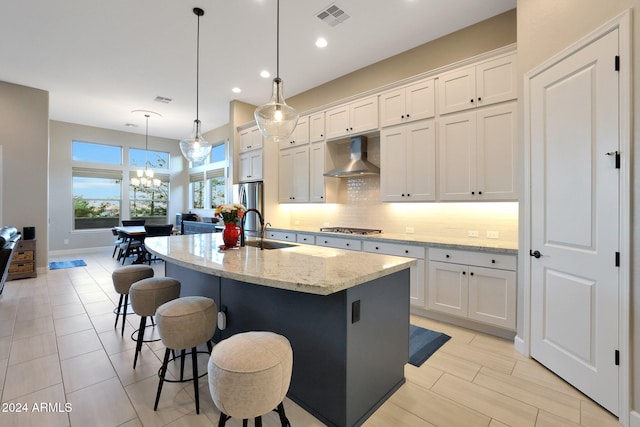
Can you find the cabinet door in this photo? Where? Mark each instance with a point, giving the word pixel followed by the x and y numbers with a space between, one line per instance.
pixel 420 100
pixel 256 165
pixel 492 296
pixel 421 161
pixel 497 157
pixel 300 175
pixel 316 127
pixel 256 138
pixel 364 115
pixel 457 90
pixel 448 288
pixel 393 155
pixel 392 107
pixel 285 173
pixel 245 140
pixel 316 171
pixel 337 121
pixel 496 80
pixel 457 155
pixel 250 166
pixel 300 134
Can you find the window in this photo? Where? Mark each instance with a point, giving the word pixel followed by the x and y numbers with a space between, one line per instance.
pixel 152 159
pixel 196 188
pixel 217 185
pixel 96 198
pixel 96 153
pixel 218 154
pixel 150 203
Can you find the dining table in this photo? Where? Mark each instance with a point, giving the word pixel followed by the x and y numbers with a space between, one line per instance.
pixel 130 234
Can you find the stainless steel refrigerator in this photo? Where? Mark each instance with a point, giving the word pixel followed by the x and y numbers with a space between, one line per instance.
pixel 250 194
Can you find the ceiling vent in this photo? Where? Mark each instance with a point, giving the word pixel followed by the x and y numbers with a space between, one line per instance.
pixel 332 15
pixel 163 100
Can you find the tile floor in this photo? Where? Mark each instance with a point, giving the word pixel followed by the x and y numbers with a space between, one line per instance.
pixel 58 347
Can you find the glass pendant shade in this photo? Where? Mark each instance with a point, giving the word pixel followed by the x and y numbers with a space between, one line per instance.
pixel 275 119
pixel 196 148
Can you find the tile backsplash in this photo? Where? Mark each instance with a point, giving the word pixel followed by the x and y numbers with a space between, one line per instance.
pixel 363 208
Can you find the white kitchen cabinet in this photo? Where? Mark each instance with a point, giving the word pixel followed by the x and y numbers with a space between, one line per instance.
pixel 477 286
pixel 478 154
pixel 293 175
pixel 316 127
pixel 339 242
pixel 479 85
pixel 250 166
pixel 319 189
pixel 352 119
pixel 308 239
pixel 408 104
pixel 250 139
pixel 408 162
pixel 418 272
pixel 299 136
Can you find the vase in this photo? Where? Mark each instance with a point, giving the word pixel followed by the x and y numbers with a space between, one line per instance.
pixel 230 235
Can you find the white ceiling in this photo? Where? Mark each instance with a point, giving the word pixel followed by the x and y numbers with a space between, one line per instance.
pixel 101 59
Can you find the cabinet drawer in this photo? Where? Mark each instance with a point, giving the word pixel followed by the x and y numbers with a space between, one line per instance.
pixel 309 239
pixel 22 256
pixel 340 243
pixel 480 259
pixel 281 235
pixel 28 267
pixel 394 249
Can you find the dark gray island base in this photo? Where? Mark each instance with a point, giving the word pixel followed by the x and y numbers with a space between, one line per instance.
pixel 349 347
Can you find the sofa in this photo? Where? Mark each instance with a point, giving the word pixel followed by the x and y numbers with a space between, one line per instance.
pixel 9 238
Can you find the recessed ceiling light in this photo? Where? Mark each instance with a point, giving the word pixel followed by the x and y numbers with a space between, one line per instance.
pixel 321 42
pixel 236 90
pixel 265 74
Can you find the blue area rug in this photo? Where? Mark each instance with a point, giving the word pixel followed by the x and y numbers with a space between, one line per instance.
pixel 66 264
pixel 423 343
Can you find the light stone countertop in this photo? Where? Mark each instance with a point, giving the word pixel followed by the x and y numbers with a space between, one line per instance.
pixel 303 268
pixel 498 246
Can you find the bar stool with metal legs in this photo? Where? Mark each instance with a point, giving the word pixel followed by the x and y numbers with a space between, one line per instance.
pixel 123 278
pixel 185 323
pixel 249 376
pixel 146 296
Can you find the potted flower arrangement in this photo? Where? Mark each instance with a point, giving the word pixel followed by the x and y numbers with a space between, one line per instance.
pixel 230 214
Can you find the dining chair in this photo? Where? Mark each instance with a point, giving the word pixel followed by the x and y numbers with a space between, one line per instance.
pixel 154 230
pixel 133 222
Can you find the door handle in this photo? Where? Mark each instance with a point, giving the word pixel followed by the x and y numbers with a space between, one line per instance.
pixel 535 254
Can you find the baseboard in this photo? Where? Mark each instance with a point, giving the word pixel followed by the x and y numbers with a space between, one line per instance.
pixel 634 419
pixel 519 345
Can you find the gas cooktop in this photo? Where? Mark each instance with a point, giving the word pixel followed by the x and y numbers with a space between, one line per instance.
pixel 351 230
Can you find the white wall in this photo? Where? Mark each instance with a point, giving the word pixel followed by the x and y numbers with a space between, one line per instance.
pixel 60 181
pixel 24 136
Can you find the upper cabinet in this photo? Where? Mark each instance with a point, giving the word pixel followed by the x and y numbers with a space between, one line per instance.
pixel 293 175
pixel 408 163
pixel 250 166
pixel 478 155
pixel 486 83
pixel 250 139
pixel 299 136
pixel 316 127
pixel 352 119
pixel 407 104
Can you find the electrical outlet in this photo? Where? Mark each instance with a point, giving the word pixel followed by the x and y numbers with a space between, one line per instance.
pixel 472 233
pixel 493 235
pixel 409 230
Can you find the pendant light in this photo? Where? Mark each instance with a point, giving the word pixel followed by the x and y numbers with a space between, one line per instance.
pixel 145 177
pixel 275 119
pixel 196 148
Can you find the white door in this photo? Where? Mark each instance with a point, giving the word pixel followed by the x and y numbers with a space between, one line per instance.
pixel 575 219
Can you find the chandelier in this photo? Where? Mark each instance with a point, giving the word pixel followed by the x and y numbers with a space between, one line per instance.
pixel 145 176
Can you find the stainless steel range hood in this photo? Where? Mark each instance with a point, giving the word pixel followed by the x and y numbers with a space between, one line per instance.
pixel 358 164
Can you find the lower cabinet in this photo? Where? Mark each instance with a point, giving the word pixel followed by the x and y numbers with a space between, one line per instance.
pixel 339 243
pixel 281 235
pixel 417 286
pixel 23 263
pixel 474 285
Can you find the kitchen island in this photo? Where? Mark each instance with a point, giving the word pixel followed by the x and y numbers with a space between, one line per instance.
pixel 346 314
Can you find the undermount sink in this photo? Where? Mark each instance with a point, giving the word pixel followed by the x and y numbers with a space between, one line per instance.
pixel 268 245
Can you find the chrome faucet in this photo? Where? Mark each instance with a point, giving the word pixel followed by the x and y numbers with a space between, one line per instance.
pixel 242 236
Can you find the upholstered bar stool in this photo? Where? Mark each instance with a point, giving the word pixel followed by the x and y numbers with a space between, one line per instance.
pixel 185 323
pixel 146 296
pixel 123 278
pixel 249 376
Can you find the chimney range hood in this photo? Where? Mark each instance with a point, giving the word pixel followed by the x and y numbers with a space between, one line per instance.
pixel 358 164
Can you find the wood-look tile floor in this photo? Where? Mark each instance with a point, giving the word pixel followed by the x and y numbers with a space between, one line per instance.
pixel 58 346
